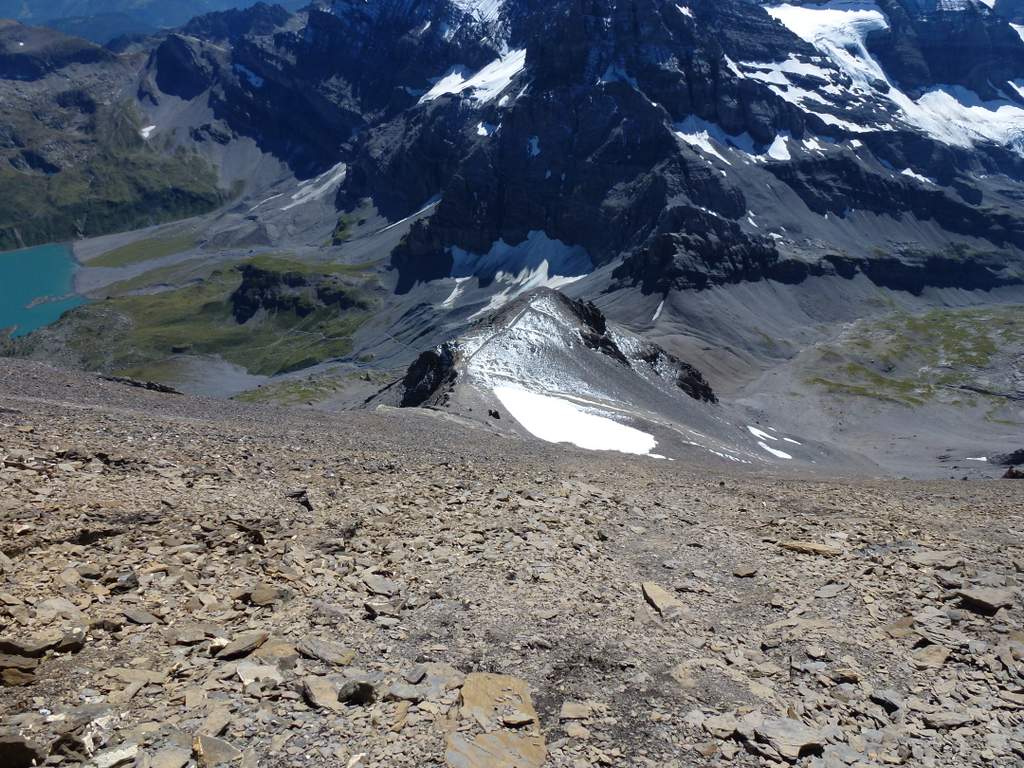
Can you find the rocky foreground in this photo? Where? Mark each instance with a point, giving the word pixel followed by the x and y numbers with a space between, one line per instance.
pixel 184 582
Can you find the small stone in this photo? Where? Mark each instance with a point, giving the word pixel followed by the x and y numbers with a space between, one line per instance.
pixel 172 757
pixel 266 594
pixel 243 645
pixel 986 600
pixel 139 616
pixel 321 692
pixel 378 585
pixel 576 731
pixel 358 692
pixel 745 571
pixel 934 559
pixel 790 738
pixel 325 651
pixel 662 601
pixel 15 678
pixel 211 751
pixel 829 591
pixel 24 663
pixel 109 758
pixel 575 710
pixel 888 699
pixel 189 634
pixel 944 720
pixel 721 726
pixel 250 673
pixel 811 548
pixel 929 656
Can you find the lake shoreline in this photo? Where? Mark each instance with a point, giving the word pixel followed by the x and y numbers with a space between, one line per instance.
pixel 37 286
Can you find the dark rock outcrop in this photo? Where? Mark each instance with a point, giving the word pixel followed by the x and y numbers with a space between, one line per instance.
pixel 29 53
pixel 289 291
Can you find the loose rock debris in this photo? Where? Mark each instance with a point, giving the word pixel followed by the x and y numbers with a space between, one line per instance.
pixel 439 597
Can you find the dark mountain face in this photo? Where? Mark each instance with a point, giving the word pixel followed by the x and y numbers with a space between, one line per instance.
pixel 104 20
pixel 682 145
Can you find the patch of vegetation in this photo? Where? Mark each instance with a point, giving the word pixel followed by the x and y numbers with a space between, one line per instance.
pixel 285 262
pixel 134 333
pixel 913 359
pixel 342 230
pixel 311 389
pixel 162 277
pixel 145 250
pixel 121 183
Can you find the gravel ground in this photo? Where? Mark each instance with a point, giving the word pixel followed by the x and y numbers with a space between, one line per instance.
pixel 188 581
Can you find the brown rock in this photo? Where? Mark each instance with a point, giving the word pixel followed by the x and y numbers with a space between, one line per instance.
pixel 321 692
pixel 790 738
pixel 811 548
pixel 662 600
pixel 986 600
pixel 497 700
pixel 211 751
pixel 930 656
pixel 325 651
pixel 243 644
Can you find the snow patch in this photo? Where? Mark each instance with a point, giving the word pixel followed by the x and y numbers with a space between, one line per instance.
pixel 539 261
pixel 657 312
pixel 456 292
pixel 533 146
pixel 485 129
pixel 313 189
pixel 950 114
pixel 774 451
pixel 482 10
pixel 685 11
pixel 254 80
pixel 778 150
pixel 556 420
pixel 1019 29
pixel 917 176
pixel 760 433
pixel 483 86
pixel 146 132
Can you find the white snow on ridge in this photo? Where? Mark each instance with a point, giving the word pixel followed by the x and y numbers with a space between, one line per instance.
pixel 1019 29
pixel 313 189
pixel 910 173
pixel 483 86
pixel 456 292
pixel 705 136
pixel 556 420
pixel 146 132
pixel 482 10
pixel 950 114
pixel 539 261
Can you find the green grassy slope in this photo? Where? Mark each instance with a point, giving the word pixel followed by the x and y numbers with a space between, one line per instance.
pixel 117 182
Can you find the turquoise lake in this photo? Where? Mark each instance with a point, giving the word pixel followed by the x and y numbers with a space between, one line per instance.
pixel 36 287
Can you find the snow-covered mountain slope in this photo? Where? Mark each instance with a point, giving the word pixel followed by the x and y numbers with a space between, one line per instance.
pixel 552 368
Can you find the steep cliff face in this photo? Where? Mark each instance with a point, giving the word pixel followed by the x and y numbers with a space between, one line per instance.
pixel 649 130
pixel 678 145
